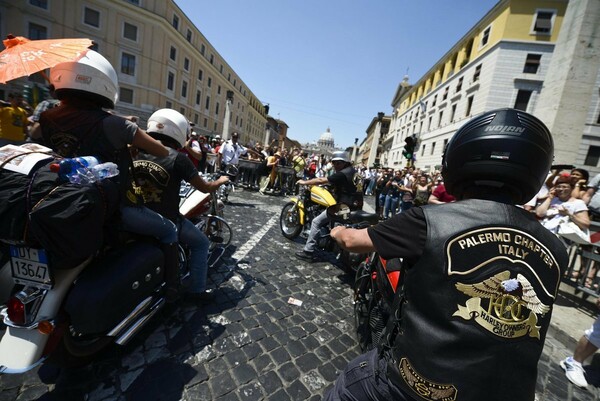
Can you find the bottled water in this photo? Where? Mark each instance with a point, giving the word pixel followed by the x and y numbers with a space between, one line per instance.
pixel 84 170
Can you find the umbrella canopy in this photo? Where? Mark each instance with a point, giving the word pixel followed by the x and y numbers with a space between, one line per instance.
pixel 24 57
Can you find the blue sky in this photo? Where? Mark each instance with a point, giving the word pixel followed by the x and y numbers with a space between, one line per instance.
pixel 331 63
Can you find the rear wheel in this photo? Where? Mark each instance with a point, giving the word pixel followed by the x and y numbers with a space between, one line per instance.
pixel 77 350
pixel 289 221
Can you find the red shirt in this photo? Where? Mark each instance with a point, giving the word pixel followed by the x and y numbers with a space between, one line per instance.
pixel 443 196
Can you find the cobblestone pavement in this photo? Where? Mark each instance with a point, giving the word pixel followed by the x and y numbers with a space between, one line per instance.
pixel 251 344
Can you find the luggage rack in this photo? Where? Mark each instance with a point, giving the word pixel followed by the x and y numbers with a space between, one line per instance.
pixel 582 259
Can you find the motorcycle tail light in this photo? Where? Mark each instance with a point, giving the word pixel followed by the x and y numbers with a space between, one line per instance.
pixel 16 310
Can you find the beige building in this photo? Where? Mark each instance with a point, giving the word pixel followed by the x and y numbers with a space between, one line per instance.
pixel 370 152
pixel 161 58
pixel 535 55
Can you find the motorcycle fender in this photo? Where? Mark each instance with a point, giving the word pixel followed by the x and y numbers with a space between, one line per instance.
pixel 300 209
pixel 21 348
pixel 194 204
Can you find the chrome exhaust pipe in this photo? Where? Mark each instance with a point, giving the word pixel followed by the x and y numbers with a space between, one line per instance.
pixel 133 327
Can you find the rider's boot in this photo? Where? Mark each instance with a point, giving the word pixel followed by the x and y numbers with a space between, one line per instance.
pixel 171 252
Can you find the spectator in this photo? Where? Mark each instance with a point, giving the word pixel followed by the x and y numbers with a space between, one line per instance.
pixel 422 191
pixel 587 345
pixel 440 195
pixel 230 152
pixel 13 121
pixel 560 203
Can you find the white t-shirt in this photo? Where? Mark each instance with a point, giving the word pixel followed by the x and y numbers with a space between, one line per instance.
pixel 553 218
pixel 231 152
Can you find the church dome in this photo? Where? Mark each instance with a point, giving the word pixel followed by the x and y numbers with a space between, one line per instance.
pixel 326 139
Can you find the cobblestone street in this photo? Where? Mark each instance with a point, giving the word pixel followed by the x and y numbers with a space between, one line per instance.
pixel 251 344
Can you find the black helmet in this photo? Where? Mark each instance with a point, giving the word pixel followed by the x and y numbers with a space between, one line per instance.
pixel 505 149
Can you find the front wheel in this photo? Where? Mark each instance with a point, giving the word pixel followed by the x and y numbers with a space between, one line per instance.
pixel 289 221
pixel 217 230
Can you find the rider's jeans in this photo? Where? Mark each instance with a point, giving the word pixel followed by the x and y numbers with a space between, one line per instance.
pixel 144 221
pixel 365 379
pixel 315 227
pixel 391 203
pixel 198 244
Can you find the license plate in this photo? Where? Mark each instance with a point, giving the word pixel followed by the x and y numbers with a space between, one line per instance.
pixel 30 266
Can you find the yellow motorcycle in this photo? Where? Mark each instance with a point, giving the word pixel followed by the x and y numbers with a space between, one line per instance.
pixel 298 214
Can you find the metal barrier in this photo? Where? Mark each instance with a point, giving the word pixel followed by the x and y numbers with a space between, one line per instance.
pixel 247 176
pixel 584 263
pixel 287 179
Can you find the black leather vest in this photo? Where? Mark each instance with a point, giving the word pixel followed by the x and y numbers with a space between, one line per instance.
pixel 159 186
pixel 477 304
pixel 73 132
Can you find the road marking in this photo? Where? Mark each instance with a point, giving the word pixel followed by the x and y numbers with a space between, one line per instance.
pixel 251 243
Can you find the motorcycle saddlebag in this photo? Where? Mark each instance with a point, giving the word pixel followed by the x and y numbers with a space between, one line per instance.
pixel 112 286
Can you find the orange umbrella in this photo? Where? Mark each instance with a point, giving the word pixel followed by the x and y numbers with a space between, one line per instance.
pixel 25 57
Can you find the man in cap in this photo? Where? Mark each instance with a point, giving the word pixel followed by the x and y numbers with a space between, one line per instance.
pixel 230 152
pixel 345 191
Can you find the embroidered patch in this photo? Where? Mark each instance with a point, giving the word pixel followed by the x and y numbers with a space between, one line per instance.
pixel 425 388
pixel 508 300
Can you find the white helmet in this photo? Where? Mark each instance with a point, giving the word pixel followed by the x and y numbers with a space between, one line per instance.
pixel 170 123
pixel 92 74
pixel 340 155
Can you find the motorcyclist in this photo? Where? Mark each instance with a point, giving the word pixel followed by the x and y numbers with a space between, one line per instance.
pixel 160 179
pixel 80 127
pixel 346 190
pixel 481 275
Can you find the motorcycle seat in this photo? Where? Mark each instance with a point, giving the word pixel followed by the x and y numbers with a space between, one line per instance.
pixel 359 216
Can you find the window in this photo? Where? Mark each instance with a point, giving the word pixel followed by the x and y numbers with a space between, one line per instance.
pixel 459 84
pixel 198 97
pixel 429 123
pixel 218 89
pixel 39 3
pixel 173 53
pixel 423 150
pixel 593 156
pixel 196 118
pixel 217 108
pixel 532 63
pixel 170 81
pixel 445 143
pixel 207 105
pixel 485 36
pixel 126 95
pixel 598 119
pixel 452 113
pixel 523 97
pixel 37 32
pixel 182 111
pixel 186 64
pixel 543 22
pixel 168 104
pixel 200 75
pixel 91 17
pixel 469 106
pixel 202 49
pixel 440 119
pixel 175 21
pixel 184 85
pixel 477 73
pixel 205 123
pixel 221 69
pixel 209 82
pixel 212 58
pixel 434 101
pixel 129 31
pixel 432 148
pixel 128 64
pixel 445 96
pixel 215 127
pixel 188 36
pixel 136 2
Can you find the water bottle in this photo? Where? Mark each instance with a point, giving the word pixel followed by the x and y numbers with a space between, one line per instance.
pixel 105 170
pixel 83 170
